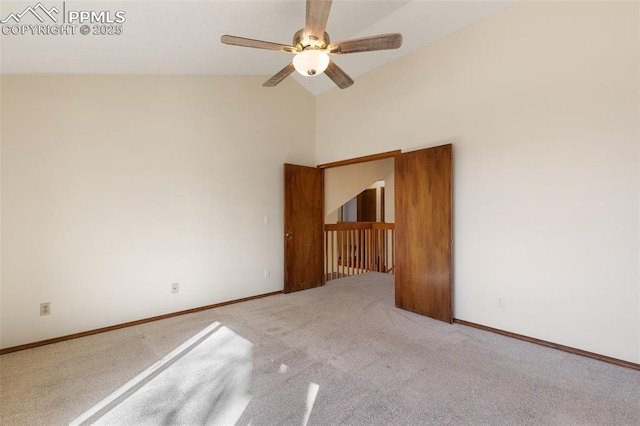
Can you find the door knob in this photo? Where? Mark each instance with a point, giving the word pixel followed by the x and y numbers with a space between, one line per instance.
pixel 288 234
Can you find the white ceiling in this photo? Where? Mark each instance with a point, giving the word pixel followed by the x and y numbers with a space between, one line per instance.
pixel 183 37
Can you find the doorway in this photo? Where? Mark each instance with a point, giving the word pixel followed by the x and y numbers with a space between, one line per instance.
pixel 423 215
pixel 358 232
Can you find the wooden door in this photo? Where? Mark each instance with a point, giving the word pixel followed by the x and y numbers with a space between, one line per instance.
pixel 366 205
pixel 303 222
pixel 423 202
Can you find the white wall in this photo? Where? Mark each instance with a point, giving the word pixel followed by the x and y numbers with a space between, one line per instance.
pixel 115 187
pixel 0 212
pixel 541 103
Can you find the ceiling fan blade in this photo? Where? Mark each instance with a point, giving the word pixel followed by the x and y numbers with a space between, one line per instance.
pixel 339 77
pixel 366 44
pixel 258 44
pixel 281 75
pixel 316 18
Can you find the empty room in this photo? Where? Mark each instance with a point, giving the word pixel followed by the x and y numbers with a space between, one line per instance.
pixel 310 212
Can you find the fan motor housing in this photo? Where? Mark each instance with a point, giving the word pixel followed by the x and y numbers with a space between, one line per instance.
pixel 302 41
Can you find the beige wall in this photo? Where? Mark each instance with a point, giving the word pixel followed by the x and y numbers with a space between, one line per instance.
pixel 343 183
pixel 541 103
pixel 115 187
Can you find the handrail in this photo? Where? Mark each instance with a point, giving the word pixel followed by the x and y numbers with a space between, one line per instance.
pixel 358 225
pixel 356 247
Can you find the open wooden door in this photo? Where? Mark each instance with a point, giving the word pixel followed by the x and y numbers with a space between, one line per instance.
pixel 423 203
pixel 303 222
pixel 366 203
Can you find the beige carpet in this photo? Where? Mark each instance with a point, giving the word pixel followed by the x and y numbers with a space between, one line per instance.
pixel 340 354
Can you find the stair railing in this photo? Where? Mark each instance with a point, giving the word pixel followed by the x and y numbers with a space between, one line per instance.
pixel 353 248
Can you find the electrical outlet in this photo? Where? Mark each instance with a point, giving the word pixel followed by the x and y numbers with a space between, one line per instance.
pixel 175 287
pixel 501 302
pixel 267 273
pixel 45 308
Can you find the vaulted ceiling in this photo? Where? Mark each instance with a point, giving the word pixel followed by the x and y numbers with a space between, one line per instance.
pixel 183 37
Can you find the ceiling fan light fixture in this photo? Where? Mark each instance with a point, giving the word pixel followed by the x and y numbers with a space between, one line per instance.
pixel 311 62
pixel 312 47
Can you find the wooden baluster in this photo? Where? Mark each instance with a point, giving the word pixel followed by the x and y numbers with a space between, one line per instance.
pixel 326 255
pixel 393 251
pixel 357 263
pixel 353 251
pixel 343 241
pixel 386 250
pixel 348 252
pixel 367 252
pixel 380 236
pixel 371 258
pixel 374 249
pixel 333 256
pixel 385 254
pixel 362 252
pixel 367 234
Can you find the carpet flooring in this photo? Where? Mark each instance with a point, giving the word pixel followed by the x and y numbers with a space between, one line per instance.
pixel 338 354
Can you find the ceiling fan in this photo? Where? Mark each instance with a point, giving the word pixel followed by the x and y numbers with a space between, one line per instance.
pixel 312 47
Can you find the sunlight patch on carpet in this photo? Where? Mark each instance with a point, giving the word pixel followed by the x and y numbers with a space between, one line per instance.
pixel 312 393
pixel 206 380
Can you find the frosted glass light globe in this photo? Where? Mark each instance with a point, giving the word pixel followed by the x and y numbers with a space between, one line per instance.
pixel 311 62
